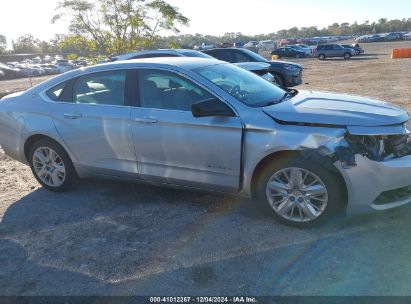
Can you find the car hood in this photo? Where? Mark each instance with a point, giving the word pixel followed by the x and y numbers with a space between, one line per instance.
pixel 336 109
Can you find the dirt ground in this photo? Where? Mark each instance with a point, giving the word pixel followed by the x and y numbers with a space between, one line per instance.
pixel 111 238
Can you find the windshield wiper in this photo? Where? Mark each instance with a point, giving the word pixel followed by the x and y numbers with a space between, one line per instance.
pixel 288 94
pixel 293 92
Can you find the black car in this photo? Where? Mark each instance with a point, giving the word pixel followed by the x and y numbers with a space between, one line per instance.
pixel 288 52
pixel 286 74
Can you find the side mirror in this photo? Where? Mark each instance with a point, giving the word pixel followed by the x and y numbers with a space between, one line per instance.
pixel 211 107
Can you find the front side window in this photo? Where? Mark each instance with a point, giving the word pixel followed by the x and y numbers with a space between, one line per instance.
pixel 222 55
pixel 106 88
pixel 239 57
pixel 243 85
pixel 166 90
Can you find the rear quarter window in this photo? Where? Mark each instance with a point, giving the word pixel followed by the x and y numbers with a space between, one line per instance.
pixel 55 92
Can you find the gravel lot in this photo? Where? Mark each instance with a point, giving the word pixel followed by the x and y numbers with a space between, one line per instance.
pixel 110 238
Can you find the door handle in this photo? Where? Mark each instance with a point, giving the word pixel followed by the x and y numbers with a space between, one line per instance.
pixel 146 120
pixel 72 115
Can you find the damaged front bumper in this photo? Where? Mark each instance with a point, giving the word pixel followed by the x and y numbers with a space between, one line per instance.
pixel 376 168
pixel 369 183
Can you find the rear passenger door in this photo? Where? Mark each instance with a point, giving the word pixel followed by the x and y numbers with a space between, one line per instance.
pixel 172 145
pixel 92 116
pixel 329 51
pixel 338 50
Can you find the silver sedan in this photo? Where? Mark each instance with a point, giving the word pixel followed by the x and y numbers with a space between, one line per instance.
pixel 204 124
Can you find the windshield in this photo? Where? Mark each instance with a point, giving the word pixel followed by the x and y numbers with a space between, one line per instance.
pixel 245 86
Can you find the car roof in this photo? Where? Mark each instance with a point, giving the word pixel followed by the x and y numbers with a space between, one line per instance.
pixel 159 51
pixel 182 62
pixel 224 49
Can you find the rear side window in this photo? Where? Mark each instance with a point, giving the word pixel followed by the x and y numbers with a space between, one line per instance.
pixel 106 88
pixel 55 92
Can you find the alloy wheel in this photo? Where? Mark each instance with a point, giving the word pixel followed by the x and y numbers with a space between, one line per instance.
pixel 49 166
pixel 297 195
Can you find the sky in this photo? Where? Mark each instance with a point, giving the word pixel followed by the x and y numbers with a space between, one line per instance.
pixel 216 17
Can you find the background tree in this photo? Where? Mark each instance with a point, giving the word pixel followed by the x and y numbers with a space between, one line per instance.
pixel 3 44
pixel 26 44
pixel 118 26
pixel 77 44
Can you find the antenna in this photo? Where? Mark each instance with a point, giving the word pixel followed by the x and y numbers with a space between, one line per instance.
pixel 28 74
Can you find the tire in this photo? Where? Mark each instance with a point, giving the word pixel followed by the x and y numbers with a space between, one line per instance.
pixel 53 170
pixel 36 74
pixel 321 57
pixel 297 56
pixel 347 56
pixel 292 207
pixel 279 80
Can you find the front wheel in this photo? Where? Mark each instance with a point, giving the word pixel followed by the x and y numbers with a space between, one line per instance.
pixel 299 193
pixel 321 56
pixel 51 165
pixel 347 56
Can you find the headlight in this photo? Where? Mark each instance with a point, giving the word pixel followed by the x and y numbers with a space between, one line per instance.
pixel 291 67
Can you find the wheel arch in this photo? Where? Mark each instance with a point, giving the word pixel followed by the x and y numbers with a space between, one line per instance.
pixel 288 153
pixel 36 137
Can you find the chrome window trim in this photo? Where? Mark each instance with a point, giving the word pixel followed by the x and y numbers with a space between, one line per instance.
pixel 46 98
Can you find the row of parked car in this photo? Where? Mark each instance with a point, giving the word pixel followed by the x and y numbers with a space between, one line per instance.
pixel 321 51
pixel 393 36
pixel 34 68
pixel 273 44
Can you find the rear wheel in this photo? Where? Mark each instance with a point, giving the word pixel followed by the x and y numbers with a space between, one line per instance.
pixel 298 193
pixel 321 56
pixel 297 56
pixel 51 165
pixel 347 56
